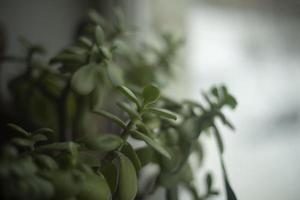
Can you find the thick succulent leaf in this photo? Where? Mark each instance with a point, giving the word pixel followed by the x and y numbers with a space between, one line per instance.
pixel 99 35
pixel 191 128
pixel 186 174
pixel 64 184
pixel 106 52
pixel 115 74
pixel 169 179
pixel 104 142
pixel 111 173
pixel 94 187
pixel 129 94
pixel 146 155
pixel 44 131
pixel 231 101
pixel 76 50
pixel 45 161
pixel 39 138
pixel 84 79
pixel 161 112
pixel 89 159
pixel 24 167
pixel 154 144
pixel 133 114
pixel 128 151
pixel 95 17
pixel 22 142
pixel 128 183
pixel 85 42
pixel 68 58
pixel 150 94
pixel 111 117
pixel 18 129
pixel 215 92
pixel 60 146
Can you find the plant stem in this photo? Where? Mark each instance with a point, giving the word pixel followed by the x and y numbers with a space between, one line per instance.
pixel 125 132
pixel 62 113
pixel 79 113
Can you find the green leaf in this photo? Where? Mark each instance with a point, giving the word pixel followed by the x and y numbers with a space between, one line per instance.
pixel 44 131
pixel 143 128
pixel 85 42
pixel 112 117
pixel 129 110
pixel 68 58
pixel 31 47
pixel 224 90
pixel 154 144
pixel 94 187
pixel 95 17
pixel 128 182
pixel 169 179
pixel 45 161
pixel 215 92
pixel 231 101
pixel 150 94
pixel 84 79
pixel 186 173
pixel 94 56
pixel 129 94
pixel 18 129
pixel 115 74
pixel 67 160
pixel 104 142
pixel 225 121
pixel 128 151
pixel 24 167
pixel 99 35
pixel 39 138
pixel 59 146
pixel 192 127
pixel 22 142
pixel 76 50
pixel 208 181
pixel 65 185
pixel 146 155
pixel 106 53
pixel 161 112
pixel 89 159
pixel 111 174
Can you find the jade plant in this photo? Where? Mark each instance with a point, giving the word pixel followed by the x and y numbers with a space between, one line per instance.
pixel 99 97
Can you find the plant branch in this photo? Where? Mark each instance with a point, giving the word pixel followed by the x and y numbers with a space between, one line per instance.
pixel 62 113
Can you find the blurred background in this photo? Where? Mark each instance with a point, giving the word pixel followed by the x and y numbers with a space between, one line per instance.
pixel 252 46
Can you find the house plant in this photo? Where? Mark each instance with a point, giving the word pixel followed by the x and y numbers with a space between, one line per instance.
pixel 102 74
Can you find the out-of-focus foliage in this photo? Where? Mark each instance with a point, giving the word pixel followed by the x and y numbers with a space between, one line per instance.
pixel 102 74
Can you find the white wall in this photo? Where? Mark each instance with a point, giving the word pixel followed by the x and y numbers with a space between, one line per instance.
pixel 256 53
